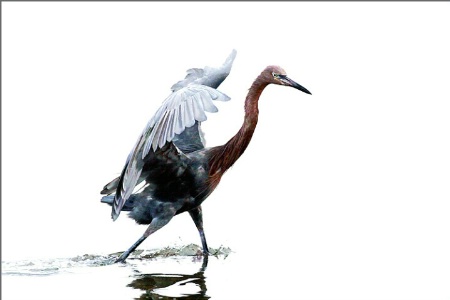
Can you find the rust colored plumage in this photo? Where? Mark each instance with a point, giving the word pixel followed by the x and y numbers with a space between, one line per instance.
pixel 224 156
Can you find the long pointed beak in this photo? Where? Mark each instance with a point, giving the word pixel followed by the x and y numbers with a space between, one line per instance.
pixel 290 82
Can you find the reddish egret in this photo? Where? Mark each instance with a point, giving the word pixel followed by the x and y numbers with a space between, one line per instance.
pixel 170 155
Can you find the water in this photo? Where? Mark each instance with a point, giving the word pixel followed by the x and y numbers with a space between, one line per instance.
pixel 162 278
pixel 163 274
pixel 269 271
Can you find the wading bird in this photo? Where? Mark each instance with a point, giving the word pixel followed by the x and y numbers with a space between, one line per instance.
pixel 170 154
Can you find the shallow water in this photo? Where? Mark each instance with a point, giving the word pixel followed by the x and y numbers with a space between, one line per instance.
pixel 266 272
pixel 263 274
pixel 162 274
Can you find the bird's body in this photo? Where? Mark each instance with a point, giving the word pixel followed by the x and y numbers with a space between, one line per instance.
pixel 175 179
pixel 170 156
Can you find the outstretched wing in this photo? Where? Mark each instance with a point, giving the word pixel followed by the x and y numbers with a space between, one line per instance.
pixel 172 124
pixel 180 110
pixel 208 76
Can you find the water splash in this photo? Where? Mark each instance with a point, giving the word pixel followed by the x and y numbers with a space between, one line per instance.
pixel 45 267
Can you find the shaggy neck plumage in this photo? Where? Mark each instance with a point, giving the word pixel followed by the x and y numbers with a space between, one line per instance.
pixel 223 157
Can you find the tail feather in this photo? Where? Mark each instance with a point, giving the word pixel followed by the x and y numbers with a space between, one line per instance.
pixel 129 205
pixel 107 199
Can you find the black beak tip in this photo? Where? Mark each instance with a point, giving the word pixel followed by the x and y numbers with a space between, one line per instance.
pixel 295 85
pixel 301 88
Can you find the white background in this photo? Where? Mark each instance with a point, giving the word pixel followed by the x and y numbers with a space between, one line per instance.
pixel 353 181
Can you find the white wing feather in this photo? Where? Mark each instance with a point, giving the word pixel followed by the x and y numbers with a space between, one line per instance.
pixel 180 110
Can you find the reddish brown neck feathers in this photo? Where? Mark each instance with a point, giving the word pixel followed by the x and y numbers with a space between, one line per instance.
pixel 223 157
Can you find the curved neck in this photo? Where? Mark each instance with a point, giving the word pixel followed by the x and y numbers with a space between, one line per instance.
pixel 223 157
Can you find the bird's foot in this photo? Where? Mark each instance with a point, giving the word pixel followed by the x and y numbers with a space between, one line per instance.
pixel 122 258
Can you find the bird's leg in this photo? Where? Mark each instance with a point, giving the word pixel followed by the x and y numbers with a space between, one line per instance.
pixel 156 224
pixel 204 263
pixel 125 254
pixel 197 217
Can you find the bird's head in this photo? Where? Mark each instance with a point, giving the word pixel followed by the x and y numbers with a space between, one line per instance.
pixel 276 75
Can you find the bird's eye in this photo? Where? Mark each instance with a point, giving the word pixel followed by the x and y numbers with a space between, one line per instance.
pixel 275 75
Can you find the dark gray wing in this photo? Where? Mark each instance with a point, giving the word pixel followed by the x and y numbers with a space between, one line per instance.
pixel 184 108
pixel 191 139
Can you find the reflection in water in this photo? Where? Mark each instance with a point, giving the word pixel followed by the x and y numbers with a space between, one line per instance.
pixel 164 274
pixel 159 286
